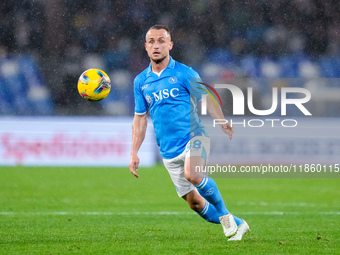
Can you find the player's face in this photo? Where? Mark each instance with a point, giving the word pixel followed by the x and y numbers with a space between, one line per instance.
pixel 158 44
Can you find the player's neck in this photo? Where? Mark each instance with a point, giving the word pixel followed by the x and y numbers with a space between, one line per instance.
pixel 159 67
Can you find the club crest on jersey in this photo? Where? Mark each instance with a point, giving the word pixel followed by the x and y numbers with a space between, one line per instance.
pixel 173 79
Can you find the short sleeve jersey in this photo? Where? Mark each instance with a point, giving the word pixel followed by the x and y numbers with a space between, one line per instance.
pixel 172 107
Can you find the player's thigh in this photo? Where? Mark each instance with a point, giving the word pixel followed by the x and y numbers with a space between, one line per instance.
pixel 198 146
pixel 194 169
pixel 197 154
pixel 175 169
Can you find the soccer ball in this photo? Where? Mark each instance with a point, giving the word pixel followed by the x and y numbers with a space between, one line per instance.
pixel 94 84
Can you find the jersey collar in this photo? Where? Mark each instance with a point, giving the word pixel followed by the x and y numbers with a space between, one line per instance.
pixel 171 65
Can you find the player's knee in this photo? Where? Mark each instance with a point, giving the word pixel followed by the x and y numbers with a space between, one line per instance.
pixel 191 176
pixel 196 206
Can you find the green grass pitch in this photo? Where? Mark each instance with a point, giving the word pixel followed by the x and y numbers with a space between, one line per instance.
pixel 45 210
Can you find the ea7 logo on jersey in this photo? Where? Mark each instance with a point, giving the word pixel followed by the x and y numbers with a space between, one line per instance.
pixel 165 93
pixel 145 86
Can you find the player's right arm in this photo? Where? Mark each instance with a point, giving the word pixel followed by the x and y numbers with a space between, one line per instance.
pixel 138 134
pixel 138 125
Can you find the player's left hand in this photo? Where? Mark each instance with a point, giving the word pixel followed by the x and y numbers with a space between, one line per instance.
pixel 133 165
pixel 228 129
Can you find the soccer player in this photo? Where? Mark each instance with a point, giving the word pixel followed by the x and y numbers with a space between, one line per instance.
pixel 163 89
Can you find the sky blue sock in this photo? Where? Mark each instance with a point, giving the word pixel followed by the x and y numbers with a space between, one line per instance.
pixel 208 189
pixel 237 220
pixel 209 213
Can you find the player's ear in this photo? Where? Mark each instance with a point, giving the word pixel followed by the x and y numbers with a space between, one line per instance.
pixel 171 45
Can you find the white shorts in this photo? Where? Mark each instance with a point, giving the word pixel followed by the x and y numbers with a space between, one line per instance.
pixel 197 146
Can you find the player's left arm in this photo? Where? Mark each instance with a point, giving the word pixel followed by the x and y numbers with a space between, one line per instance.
pixel 215 112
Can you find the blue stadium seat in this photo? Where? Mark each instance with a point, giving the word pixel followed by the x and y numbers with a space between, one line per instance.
pixel 270 68
pixel 5 100
pixel 21 87
pixel 220 56
pixel 251 66
pixel 120 100
pixel 117 59
pixel 329 67
pixel 289 66
pixel 36 92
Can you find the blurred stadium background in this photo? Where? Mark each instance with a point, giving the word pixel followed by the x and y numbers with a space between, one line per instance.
pixel 46 44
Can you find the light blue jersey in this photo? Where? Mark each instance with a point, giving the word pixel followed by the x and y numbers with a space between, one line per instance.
pixel 173 111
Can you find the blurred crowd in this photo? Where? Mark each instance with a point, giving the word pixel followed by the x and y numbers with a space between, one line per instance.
pixel 254 38
pixel 261 27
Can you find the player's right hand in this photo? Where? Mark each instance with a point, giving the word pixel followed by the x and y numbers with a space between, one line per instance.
pixel 133 165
